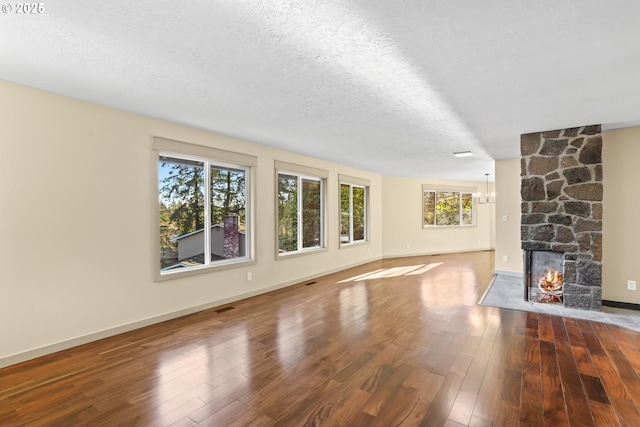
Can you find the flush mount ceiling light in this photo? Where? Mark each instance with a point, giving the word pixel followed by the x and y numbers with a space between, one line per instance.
pixel 463 154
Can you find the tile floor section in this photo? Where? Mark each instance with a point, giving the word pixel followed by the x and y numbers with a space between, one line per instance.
pixel 506 292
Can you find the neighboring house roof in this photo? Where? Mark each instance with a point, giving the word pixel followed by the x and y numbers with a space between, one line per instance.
pixel 175 239
pixel 191 261
pixel 180 265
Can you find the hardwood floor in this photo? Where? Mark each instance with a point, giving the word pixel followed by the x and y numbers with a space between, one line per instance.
pixel 392 343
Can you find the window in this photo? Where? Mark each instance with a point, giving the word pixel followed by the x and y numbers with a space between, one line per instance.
pixel 204 215
pixel 447 207
pixel 300 202
pixel 353 210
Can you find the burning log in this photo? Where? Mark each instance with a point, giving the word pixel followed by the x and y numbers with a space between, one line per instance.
pixel 550 282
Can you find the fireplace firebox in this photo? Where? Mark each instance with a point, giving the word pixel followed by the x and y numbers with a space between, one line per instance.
pixel 544 272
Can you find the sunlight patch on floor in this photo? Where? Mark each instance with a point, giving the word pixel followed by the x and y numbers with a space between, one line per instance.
pixel 411 270
pixel 425 268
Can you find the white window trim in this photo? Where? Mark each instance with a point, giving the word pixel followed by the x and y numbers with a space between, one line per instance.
pixel 354 182
pixel 450 188
pixel 301 172
pixel 211 156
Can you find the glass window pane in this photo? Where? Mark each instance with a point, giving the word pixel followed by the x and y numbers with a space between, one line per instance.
pixel 287 213
pixel 311 214
pixel 467 208
pixel 228 213
pixel 429 206
pixel 447 208
pixel 181 197
pixel 345 218
pixel 358 213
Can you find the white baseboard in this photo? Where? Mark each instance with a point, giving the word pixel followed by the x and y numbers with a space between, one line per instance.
pixel 508 273
pixel 109 332
pixel 436 253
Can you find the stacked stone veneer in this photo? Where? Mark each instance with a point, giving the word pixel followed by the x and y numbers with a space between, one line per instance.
pixel 562 206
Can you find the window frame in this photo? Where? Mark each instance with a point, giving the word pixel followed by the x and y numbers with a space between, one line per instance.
pixel 352 182
pixel 450 189
pixel 301 173
pixel 211 157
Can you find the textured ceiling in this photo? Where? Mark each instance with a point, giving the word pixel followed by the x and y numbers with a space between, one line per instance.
pixel 393 87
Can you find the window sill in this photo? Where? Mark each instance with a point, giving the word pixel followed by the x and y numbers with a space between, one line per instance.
pixel 441 227
pixel 303 252
pixel 354 244
pixel 195 271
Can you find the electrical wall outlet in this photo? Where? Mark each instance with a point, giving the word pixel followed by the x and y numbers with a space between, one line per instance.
pixel 505 218
pixel 631 285
pixel 505 258
pixel 249 276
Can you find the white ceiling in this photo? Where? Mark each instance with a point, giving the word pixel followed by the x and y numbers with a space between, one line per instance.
pixel 390 86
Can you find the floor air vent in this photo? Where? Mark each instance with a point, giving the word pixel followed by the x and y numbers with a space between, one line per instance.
pixel 310 283
pixel 222 310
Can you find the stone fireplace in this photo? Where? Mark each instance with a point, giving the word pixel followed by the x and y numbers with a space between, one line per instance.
pixel 561 189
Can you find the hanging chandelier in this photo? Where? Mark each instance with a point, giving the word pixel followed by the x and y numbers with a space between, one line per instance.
pixel 487 197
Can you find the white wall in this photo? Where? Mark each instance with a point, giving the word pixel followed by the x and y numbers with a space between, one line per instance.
pixel 76 260
pixel 621 213
pixel 403 234
pixel 508 203
pixel 81 175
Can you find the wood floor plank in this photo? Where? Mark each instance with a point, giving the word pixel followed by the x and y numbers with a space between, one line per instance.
pixel 575 334
pixel 440 407
pixel 594 389
pixel 462 408
pixel 532 321
pixel 531 349
pixel 396 409
pixel 507 414
pixel 511 387
pixel 584 362
pixel 545 328
pixel 352 366
pixel 531 410
pixel 591 339
pixel 397 349
pixel 415 414
pixel 344 411
pixel 183 422
pixel 479 422
pixel 626 411
pixel 446 361
pixel 425 386
pixel 223 416
pixel 604 415
pixel 575 398
pixel 313 409
pixel 605 338
pixel 487 401
pixel 610 377
pixel 626 371
pixel 386 391
pixel 632 353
